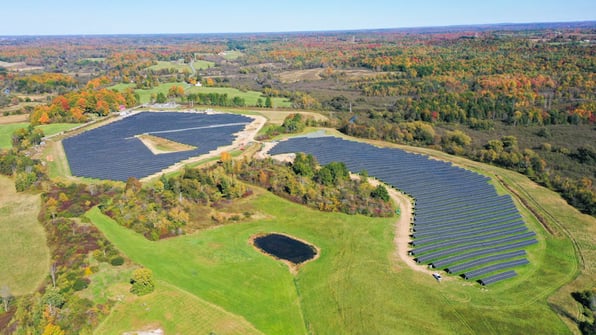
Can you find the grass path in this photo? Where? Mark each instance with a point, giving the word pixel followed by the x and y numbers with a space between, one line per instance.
pixel 24 255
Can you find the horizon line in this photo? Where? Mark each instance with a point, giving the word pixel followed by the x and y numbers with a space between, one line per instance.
pixel 347 30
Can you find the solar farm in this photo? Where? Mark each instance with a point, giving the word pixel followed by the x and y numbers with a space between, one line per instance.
pixel 460 223
pixel 115 152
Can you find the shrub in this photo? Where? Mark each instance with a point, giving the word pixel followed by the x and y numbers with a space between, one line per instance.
pixel 81 284
pixel 142 282
pixel 117 261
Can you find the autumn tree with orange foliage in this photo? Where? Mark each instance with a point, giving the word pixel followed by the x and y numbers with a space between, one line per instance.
pixel 75 106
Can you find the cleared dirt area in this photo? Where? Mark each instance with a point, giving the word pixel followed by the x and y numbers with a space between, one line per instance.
pixel 19 66
pixel 14 118
pixel 278 117
pixel 289 77
pixel 159 145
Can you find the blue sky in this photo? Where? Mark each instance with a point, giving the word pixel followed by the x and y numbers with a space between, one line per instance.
pixel 60 17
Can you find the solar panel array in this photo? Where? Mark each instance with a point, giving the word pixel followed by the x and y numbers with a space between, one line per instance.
pixel 113 152
pixel 459 220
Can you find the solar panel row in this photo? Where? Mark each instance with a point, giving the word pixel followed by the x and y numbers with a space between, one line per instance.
pixel 497 277
pixel 471 264
pixel 440 264
pixel 495 267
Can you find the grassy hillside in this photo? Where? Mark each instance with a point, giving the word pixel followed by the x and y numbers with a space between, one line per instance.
pixel 24 255
pixel 356 286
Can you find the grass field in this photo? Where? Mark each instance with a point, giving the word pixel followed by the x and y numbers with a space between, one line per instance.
pixel 357 285
pixel 161 65
pixel 180 67
pixel 232 55
pixel 6 131
pixel 250 97
pixel 55 128
pixel 176 312
pixel 24 255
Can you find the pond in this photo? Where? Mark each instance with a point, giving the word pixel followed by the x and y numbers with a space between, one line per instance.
pixel 285 247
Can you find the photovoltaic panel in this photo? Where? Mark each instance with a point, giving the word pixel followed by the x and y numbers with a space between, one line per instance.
pixel 457 213
pixel 114 152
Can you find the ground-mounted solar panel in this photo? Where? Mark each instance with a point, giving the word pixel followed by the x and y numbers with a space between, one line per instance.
pixel 452 206
pixel 444 262
pixel 115 152
pixel 497 277
pixel 452 243
pixel 495 267
pixel 481 261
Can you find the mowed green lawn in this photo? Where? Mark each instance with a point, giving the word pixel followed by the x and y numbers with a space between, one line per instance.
pixel 24 255
pixel 357 286
pixel 180 67
pixel 6 131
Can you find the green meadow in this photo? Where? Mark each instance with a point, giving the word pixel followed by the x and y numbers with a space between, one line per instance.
pixel 357 286
pixel 24 255
pixel 250 97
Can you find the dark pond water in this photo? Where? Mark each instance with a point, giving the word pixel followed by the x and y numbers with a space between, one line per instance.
pixel 285 247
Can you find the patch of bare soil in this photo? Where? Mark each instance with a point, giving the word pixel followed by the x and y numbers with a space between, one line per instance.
pixel 289 77
pixel 159 145
pixel 157 331
pixel 14 118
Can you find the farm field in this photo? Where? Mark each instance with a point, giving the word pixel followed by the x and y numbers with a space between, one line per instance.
pixel 22 266
pixel 346 290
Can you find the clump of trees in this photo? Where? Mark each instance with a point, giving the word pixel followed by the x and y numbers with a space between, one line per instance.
pixel 293 123
pixel 215 99
pixel 326 188
pixel 142 282
pixel 76 106
pixel 588 301
pixel 164 208
pixel 28 172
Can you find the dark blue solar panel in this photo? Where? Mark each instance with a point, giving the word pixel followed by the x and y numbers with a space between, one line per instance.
pixel 495 267
pixel 498 277
pixel 113 152
pixel 458 213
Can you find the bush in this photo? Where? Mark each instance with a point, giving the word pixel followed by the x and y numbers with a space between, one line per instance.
pixel 117 261
pixel 81 284
pixel 142 282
